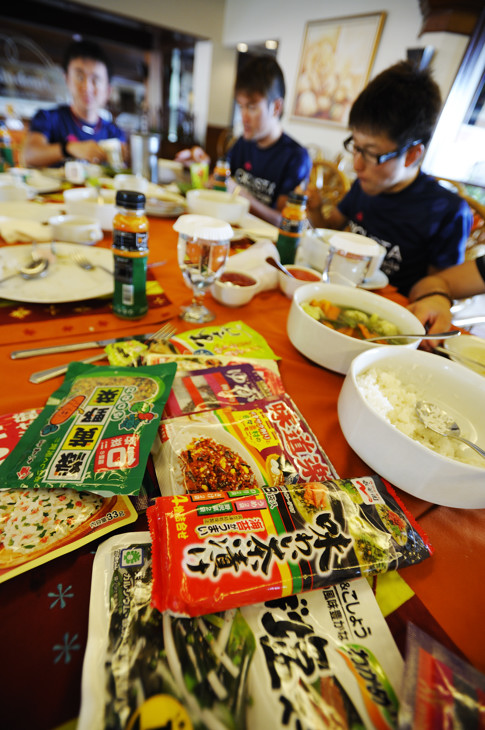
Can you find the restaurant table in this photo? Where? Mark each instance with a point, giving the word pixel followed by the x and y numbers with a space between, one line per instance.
pixel 44 611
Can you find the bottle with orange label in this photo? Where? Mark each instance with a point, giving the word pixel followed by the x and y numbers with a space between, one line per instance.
pixel 292 225
pixel 222 171
pixel 130 252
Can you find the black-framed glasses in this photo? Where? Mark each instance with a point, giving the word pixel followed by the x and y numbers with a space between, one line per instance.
pixel 372 157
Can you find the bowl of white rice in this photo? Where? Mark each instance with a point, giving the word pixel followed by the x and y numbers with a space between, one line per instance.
pixel 377 414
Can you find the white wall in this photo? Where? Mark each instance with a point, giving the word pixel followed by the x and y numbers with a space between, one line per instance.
pixel 284 20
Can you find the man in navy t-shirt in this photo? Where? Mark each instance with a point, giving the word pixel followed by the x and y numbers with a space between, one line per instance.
pixel 73 131
pixel 423 226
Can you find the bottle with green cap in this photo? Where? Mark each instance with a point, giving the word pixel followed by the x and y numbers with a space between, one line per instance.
pixel 292 225
pixel 130 253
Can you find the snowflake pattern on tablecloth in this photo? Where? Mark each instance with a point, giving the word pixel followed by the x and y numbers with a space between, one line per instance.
pixel 60 596
pixel 66 649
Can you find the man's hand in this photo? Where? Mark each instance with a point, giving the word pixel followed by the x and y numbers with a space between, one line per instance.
pixel 435 314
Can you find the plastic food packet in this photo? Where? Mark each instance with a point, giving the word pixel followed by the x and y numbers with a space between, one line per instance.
pixel 37 526
pixel 265 442
pixel 439 690
pixel 217 551
pixel 314 662
pixel 211 388
pixel 232 338
pixel 95 433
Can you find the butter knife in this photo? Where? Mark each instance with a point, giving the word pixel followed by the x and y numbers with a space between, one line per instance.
pixel 41 375
pixel 18 354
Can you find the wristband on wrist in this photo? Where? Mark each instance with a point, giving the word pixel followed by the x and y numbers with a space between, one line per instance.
pixel 435 294
pixel 65 153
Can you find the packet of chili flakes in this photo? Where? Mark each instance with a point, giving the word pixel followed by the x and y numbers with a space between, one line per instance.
pixel 321 660
pixel 95 433
pixel 265 442
pixel 217 551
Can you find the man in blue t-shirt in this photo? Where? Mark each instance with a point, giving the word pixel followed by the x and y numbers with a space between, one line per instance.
pixel 265 162
pixel 73 131
pixel 423 226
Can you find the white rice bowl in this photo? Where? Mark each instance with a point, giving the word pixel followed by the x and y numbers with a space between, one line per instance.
pixel 376 410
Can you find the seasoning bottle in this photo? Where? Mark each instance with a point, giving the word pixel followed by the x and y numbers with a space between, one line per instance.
pixel 222 171
pixel 6 153
pixel 293 223
pixel 130 252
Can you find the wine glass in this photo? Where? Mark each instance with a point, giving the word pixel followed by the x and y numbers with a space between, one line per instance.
pixel 201 261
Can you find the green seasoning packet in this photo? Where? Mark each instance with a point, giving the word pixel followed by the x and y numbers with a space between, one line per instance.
pixel 232 338
pixel 95 433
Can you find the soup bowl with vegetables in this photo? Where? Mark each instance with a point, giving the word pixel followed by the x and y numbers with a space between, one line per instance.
pixel 330 323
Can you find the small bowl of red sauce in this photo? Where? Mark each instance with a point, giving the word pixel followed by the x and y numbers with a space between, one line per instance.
pixel 235 288
pixel 301 275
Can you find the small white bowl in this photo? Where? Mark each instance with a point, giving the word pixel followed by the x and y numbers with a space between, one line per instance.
pixel 468 346
pixel 14 191
pixel 84 202
pixel 332 349
pixel 76 229
pixel 137 183
pixel 405 462
pixel 289 285
pixel 218 204
pixel 227 291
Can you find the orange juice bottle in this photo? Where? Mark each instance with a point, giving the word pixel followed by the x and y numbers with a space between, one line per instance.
pixel 293 223
pixel 222 171
pixel 130 253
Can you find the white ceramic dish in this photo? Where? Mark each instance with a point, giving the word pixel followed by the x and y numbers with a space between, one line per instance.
pixel 84 202
pixel 65 281
pixel 76 229
pixel 406 463
pixel 332 349
pixel 289 285
pixel 40 212
pixel 232 295
pixel 217 204
pixel 377 281
pixel 469 346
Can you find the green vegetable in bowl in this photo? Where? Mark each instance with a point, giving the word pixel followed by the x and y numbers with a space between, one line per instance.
pixel 350 321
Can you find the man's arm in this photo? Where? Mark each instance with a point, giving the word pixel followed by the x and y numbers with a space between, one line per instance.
pixel 39 152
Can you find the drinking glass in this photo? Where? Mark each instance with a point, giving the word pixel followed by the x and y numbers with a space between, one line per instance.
pixel 201 261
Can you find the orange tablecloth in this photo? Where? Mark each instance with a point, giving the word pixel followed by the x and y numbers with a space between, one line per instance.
pixel 449 586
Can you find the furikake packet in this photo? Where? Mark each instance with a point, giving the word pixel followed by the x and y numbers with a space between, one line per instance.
pixel 95 432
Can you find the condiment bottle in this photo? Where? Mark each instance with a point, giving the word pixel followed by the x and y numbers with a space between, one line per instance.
pixel 222 171
pixel 130 251
pixel 293 223
pixel 6 153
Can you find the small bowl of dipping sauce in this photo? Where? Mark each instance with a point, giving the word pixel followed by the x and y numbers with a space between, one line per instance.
pixel 234 288
pixel 301 275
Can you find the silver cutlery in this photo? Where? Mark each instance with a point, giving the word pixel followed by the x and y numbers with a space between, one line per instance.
pixel 438 420
pixel 35 268
pixel 87 265
pixel 165 332
pixel 436 336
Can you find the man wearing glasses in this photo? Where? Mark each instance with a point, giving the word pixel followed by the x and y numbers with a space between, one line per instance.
pixel 423 226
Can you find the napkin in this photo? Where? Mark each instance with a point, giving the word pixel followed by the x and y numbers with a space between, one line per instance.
pixel 13 230
pixel 253 261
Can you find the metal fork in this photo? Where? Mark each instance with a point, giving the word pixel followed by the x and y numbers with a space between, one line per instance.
pixel 84 263
pixel 164 334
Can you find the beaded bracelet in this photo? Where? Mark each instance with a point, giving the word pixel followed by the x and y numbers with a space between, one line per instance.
pixel 435 294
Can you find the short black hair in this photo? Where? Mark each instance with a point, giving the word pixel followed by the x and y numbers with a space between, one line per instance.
pixel 402 102
pixel 262 75
pixel 85 49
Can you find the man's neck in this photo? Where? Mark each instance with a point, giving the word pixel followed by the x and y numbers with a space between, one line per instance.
pixel 270 138
pixel 90 117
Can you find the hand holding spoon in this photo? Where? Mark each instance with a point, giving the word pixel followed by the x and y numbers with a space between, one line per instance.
pixel 438 420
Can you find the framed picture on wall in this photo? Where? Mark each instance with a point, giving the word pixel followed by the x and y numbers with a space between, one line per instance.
pixel 335 65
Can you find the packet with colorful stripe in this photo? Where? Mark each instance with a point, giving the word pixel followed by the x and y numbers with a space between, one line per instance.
pixel 95 432
pixel 38 526
pixel 216 551
pixel 315 661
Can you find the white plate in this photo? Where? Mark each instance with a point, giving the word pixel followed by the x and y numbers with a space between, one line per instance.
pixel 65 281
pixel 30 211
pixel 378 281
pixel 163 209
pixel 468 346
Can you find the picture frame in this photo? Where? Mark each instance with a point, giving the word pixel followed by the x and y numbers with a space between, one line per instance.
pixel 335 64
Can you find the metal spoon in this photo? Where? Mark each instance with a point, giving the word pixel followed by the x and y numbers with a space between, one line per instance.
pixel 270 260
pixel 35 268
pixel 438 420
pixel 436 336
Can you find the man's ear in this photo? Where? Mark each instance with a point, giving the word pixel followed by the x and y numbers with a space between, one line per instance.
pixel 278 107
pixel 414 154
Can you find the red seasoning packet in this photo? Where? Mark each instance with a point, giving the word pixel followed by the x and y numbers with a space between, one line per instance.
pixel 439 690
pixel 216 551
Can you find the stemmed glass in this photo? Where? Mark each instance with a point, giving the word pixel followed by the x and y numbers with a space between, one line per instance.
pixel 201 261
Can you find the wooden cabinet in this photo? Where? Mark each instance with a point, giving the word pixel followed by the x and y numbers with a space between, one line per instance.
pixel 451 16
